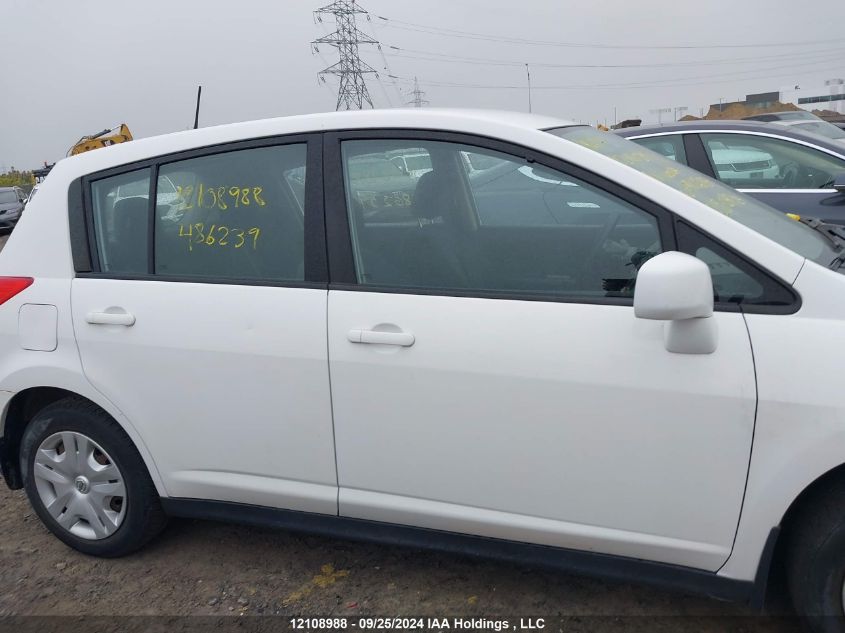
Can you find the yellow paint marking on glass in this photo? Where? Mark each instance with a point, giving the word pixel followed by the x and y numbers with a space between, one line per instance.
pixel 793 216
pixel 214 197
pixel 240 234
pixel 256 194
pixel 217 235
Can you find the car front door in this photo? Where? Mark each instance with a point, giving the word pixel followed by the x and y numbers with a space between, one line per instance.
pixel 784 173
pixel 489 376
pixel 204 320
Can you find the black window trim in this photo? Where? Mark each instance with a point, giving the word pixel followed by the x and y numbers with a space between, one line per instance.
pixel 340 254
pixel 84 245
pixel 697 156
pixel 341 260
pixel 746 308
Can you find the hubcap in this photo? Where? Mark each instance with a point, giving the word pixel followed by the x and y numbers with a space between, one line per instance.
pixel 80 485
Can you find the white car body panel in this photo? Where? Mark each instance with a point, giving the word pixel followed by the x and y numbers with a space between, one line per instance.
pixel 235 396
pixel 801 416
pixel 509 407
pixel 800 424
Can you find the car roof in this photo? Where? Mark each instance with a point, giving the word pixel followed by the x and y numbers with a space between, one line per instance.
pixel 772 129
pixel 480 122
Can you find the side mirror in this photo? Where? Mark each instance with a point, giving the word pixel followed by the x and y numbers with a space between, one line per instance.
pixel 839 183
pixel 678 288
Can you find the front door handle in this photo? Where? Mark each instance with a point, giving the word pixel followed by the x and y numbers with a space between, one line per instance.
pixel 110 318
pixel 376 337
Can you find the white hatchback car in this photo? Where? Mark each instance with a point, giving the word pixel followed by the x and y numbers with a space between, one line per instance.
pixel 478 372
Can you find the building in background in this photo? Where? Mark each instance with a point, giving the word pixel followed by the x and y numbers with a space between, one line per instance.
pixel 826 101
pixel 830 96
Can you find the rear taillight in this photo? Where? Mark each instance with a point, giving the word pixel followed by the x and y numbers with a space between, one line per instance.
pixel 10 286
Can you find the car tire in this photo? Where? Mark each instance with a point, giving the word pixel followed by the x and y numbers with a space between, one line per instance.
pixel 96 497
pixel 816 560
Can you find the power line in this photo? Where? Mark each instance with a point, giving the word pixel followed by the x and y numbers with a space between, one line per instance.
pixel 447 58
pixel 435 30
pixel 669 83
pixel 384 92
pixel 352 91
pixel 387 69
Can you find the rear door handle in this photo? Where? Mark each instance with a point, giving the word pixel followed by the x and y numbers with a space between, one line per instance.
pixel 375 337
pixel 110 318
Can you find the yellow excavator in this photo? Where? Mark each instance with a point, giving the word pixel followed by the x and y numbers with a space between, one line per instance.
pixel 119 134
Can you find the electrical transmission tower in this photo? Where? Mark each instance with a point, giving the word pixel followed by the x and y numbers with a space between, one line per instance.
pixel 418 101
pixel 352 93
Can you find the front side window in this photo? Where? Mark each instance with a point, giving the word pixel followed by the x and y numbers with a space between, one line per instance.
pixel 747 161
pixel 121 211
pixel 482 220
pixel 235 215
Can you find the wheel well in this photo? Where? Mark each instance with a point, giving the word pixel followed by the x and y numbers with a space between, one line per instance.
pixel 776 593
pixel 22 408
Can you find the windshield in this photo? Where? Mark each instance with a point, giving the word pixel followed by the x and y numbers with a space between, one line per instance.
pixel 737 206
pixel 8 196
pixel 822 128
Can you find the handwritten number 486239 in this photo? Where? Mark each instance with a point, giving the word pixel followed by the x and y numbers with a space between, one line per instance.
pixel 219 235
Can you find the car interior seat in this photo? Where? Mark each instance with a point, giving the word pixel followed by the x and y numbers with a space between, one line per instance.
pixel 433 251
pixel 130 236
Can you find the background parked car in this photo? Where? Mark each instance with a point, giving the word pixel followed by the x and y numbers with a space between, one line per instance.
pixel 12 203
pixel 796 172
pixel 810 123
pixel 32 194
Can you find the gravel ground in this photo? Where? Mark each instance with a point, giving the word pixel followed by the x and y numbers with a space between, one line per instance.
pixel 207 569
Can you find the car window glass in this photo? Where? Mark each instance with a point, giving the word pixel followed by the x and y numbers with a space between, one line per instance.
pixel 121 209
pixel 672 147
pixel 716 195
pixel 747 161
pixel 489 221
pixel 734 280
pixel 236 215
pixel 8 196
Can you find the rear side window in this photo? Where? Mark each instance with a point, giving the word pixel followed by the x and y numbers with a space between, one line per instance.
pixel 233 215
pixel 121 208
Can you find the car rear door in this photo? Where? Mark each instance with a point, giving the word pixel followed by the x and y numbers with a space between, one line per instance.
pixel 488 374
pixel 202 316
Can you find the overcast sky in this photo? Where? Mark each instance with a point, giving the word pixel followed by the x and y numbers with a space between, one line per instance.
pixel 76 67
